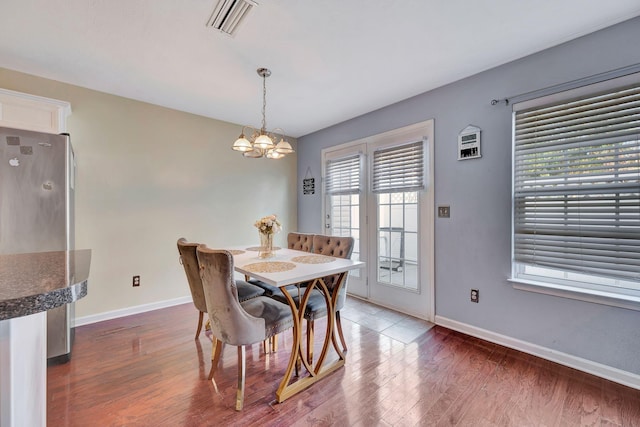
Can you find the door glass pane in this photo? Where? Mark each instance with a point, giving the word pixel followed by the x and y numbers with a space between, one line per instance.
pixel 411 218
pixel 398 239
pixel 345 221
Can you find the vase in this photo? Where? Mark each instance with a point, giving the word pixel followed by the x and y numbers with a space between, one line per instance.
pixel 266 245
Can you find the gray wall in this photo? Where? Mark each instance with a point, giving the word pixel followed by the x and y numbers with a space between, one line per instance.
pixel 473 246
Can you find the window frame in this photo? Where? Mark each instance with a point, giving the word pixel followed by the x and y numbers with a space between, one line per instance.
pixel 523 275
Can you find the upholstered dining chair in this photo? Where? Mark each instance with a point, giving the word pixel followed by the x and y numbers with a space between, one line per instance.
pixel 335 246
pixel 234 322
pixel 300 241
pixel 189 261
pixel 297 241
pixel 339 247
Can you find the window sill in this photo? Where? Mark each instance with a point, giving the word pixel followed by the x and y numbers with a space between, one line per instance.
pixel 593 296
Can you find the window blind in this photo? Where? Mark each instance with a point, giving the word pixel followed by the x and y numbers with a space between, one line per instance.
pixel 399 168
pixel 342 176
pixel 577 185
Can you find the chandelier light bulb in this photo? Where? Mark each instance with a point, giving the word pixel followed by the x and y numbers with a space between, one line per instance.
pixel 283 147
pixel 274 154
pixel 263 142
pixel 242 144
pixel 254 153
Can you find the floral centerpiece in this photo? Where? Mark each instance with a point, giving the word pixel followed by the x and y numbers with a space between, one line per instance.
pixel 267 226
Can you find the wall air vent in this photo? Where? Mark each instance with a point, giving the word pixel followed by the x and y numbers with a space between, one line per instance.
pixel 229 14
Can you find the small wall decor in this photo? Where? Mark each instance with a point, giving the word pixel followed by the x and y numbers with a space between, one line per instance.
pixel 469 143
pixel 308 183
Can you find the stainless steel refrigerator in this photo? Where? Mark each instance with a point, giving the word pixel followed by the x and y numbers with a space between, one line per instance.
pixel 37 183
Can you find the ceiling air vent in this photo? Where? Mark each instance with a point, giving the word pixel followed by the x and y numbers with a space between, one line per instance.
pixel 228 15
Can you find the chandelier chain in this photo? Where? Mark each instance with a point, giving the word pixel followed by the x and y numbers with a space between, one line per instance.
pixel 264 103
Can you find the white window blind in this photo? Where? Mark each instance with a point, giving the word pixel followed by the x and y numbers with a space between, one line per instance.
pixel 342 176
pixel 399 169
pixel 577 185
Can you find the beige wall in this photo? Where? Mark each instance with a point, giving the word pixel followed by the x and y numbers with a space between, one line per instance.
pixel 148 175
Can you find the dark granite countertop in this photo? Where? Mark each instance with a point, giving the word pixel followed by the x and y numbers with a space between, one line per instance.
pixel 34 282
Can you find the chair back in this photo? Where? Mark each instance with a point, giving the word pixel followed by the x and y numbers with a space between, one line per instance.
pixel 230 323
pixel 300 241
pixel 189 261
pixel 335 246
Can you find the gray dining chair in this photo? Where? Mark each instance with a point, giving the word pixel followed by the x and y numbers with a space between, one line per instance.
pixel 298 241
pixel 335 246
pixel 234 322
pixel 189 261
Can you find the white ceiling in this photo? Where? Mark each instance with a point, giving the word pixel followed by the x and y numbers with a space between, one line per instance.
pixel 331 59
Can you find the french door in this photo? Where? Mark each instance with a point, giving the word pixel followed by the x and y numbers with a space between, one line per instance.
pixel 344 206
pixel 379 190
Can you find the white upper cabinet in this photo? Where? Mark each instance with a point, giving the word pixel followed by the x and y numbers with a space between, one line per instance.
pixel 31 112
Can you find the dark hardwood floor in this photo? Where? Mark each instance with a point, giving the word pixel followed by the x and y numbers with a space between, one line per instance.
pixel 147 370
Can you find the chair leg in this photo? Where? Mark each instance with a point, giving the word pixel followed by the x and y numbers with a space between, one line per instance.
pixel 310 341
pixel 339 327
pixel 270 345
pixel 216 351
pixel 241 377
pixel 200 318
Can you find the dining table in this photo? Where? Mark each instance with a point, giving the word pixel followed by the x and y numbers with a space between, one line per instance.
pixel 286 267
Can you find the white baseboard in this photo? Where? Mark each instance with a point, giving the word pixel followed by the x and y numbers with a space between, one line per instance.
pixel 607 372
pixel 108 315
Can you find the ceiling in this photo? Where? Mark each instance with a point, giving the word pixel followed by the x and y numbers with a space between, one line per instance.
pixel 331 60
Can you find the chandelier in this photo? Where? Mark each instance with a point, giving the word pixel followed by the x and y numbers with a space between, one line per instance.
pixel 260 143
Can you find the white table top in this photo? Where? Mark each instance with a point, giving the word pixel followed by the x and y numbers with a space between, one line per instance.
pixel 301 272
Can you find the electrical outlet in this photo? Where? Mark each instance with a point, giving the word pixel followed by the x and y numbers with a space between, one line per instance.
pixel 136 280
pixel 475 295
pixel 444 212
